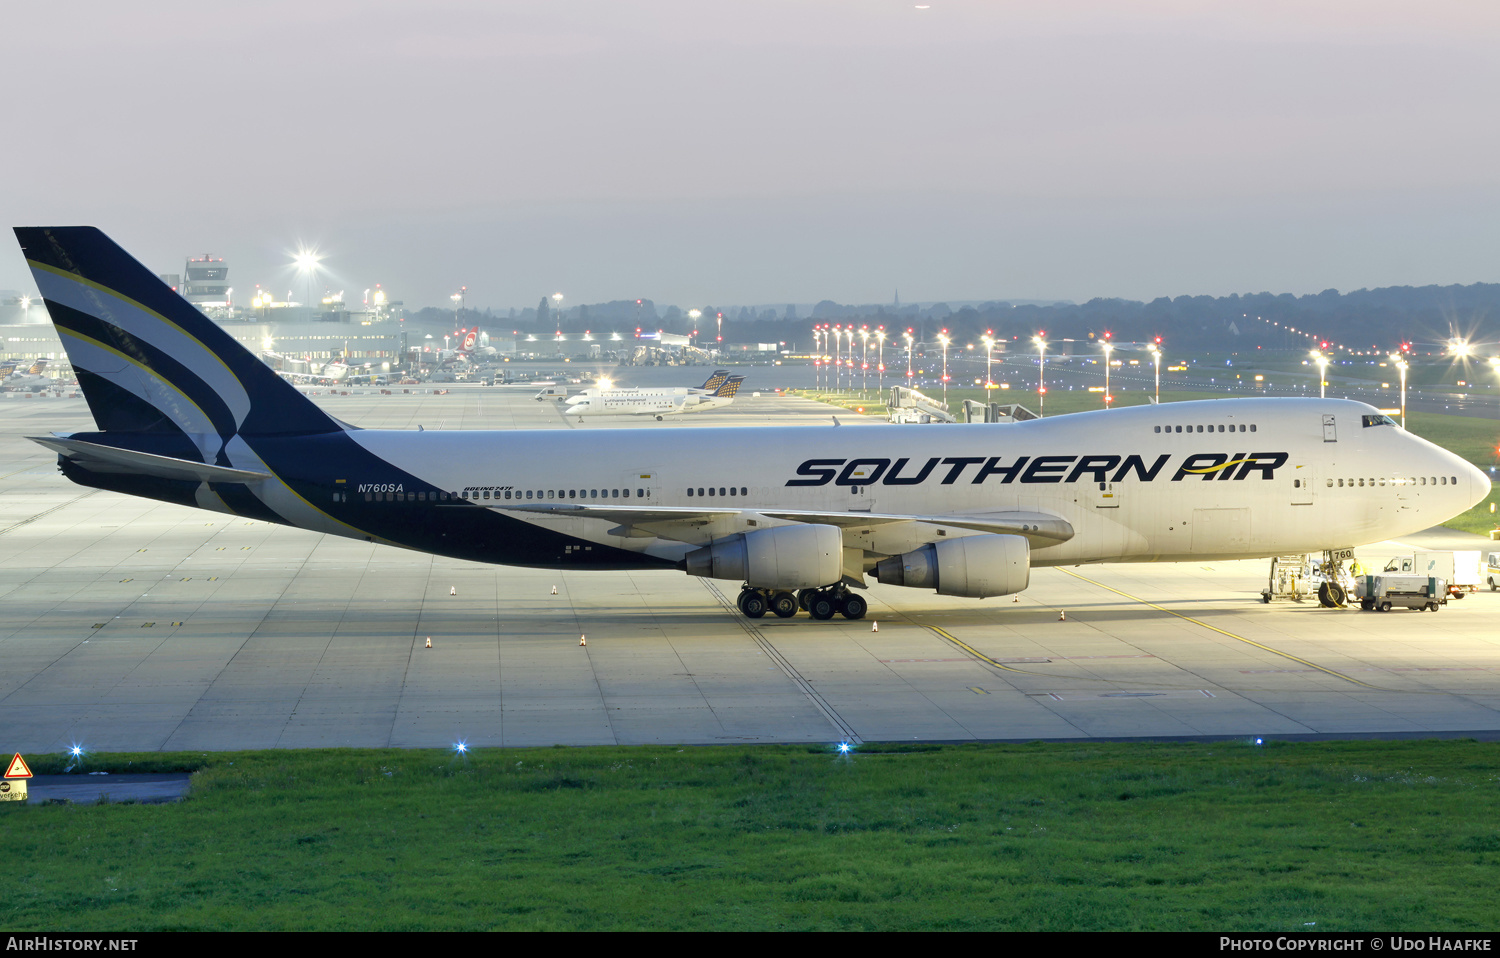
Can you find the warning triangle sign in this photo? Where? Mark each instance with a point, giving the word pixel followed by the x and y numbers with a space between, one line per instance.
pixel 18 768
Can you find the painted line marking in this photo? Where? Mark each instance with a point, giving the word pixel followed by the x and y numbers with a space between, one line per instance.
pixel 1231 635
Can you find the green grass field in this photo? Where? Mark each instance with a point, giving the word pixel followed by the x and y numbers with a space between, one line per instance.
pixel 1349 835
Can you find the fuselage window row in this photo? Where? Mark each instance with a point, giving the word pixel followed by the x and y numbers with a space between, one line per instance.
pixel 721 490
pixel 1220 428
pixel 1409 481
pixel 475 495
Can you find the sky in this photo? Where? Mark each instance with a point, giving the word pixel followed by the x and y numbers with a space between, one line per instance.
pixel 777 151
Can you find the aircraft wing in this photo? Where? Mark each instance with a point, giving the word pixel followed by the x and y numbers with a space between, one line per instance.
pixel 100 458
pixel 685 523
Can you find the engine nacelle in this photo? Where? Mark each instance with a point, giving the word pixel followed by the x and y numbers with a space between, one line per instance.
pixel 973 566
pixel 781 557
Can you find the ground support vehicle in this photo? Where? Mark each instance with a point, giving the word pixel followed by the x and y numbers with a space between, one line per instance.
pixel 1383 591
pixel 1460 569
pixel 1296 576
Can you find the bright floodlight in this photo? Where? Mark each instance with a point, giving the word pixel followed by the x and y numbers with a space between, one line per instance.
pixel 307 259
pixel 844 747
pixel 1461 347
pixel 76 751
pixel 606 383
pixel 461 747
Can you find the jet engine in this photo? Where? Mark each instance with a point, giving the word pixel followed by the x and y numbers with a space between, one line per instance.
pixel 973 566
pixel 781 557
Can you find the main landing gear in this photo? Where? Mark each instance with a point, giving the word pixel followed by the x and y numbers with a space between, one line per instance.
pixel 821 604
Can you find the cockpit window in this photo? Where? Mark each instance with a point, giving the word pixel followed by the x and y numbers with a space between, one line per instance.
pixel 1377 421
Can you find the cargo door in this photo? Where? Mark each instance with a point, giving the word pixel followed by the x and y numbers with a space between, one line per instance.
pixel 1107 495
pixel 1330 430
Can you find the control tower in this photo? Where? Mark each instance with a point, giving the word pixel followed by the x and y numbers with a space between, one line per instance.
pixel 205 282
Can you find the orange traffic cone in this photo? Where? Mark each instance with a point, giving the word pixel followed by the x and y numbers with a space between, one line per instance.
pixel 583 640
pixel 429 641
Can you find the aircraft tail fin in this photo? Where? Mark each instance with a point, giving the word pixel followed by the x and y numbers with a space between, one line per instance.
pixel 729 387
pixel 147 360
pixel 716 380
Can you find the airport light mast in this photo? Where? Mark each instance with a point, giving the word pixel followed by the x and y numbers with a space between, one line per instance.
pixel 821 335
pixel 1322 361
pixel 838 362
pixel 1108 348
pixel 989 354
pixel 909 373
pixel 864 360
pixel 1156 361
pixel 817 359
pixel 880 361
pixel 849 357
pixel 1399 361
pixel 1041 379
pixel 943 338
pixel 307 262
pixel 830 374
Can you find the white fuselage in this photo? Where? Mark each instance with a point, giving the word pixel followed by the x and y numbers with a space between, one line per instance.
pixel 613 403
pixel 1274 476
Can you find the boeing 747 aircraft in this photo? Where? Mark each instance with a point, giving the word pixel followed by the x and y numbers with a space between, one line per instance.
pixel 801 516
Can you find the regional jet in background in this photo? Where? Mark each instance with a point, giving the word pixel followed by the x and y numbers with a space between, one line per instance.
pixel 32 380
pixel 802 516
pixel 610 402
pixel 558 393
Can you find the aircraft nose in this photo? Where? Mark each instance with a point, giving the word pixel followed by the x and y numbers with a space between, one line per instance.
pixel 1479 484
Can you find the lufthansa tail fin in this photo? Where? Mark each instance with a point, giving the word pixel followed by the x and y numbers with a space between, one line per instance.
pixel 147 361
pixel 716 380
pixel 730 387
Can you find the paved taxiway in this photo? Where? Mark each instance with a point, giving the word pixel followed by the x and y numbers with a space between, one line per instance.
pixel 127 624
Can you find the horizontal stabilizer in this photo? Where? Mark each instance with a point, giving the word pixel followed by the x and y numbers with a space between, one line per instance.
pixel 100 458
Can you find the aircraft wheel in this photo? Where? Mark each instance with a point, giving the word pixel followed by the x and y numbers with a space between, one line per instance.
pixel 803 597
pixel 855 607
pixel 658 419
pixel 1331 595
pixel 784 604
pixel 1265 597
pixel 753 604
pixel 822 606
